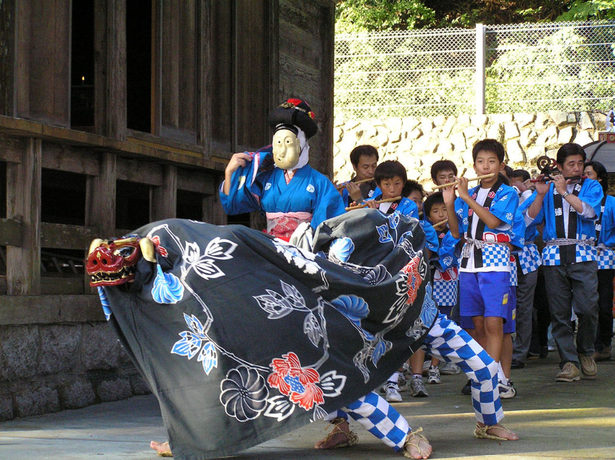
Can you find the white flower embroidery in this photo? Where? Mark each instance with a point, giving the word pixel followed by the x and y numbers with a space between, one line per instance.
pixel 310 188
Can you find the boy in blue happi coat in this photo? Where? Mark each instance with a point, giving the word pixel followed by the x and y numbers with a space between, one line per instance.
pixel 528 262
pixel 568 208
pixel 484 215
pixel 605 236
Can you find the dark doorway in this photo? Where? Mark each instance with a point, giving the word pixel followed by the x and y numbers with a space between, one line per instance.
pixel 139 64
pixel 82 66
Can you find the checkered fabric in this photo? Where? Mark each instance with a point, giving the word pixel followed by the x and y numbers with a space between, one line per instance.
pixel 445 293
pixel 529 258
pixel 583 253
pixel 381 419
pixel 606 258
pixel 447 341
pixel 513 271
pixel 550 255
pixel 495 255
pixel 586 253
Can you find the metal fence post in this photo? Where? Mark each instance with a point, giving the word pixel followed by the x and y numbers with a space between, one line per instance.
pixel 480 70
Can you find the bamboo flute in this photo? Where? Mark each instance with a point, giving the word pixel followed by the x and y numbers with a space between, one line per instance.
pixel 386 200
pixel 484 176
pixel 343 184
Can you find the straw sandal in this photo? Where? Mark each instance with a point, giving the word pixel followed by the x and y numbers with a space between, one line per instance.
pixel 351 437
pixel 414 439
pixel 481 432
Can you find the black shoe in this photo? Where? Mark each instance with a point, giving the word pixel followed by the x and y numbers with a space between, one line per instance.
pixel 544 352
pixel 517 364
pixel 467 388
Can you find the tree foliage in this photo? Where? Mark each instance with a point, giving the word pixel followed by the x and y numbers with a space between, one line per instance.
pixel 392 15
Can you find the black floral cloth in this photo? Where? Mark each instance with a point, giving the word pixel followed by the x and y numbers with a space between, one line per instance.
pixel 243 337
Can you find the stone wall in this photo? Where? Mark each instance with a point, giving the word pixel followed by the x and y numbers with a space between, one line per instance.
pixel 47 368
pixel 419 142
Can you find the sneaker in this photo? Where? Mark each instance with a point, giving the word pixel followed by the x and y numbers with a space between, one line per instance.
pixel 507 391
pixel 434 375
pixel 449 369
pixel 391 392
pixel 467 388
pixel 588 366
pixel 603 355
pixel 426 366
pixel 417 388
pixel 569 373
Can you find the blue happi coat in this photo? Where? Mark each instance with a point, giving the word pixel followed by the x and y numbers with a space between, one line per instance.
pixel 606 240
pixel 504 205
pixel 591 194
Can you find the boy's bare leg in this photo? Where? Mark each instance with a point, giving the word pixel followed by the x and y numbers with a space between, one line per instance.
pixel 493 337
pixel 416 362
pixel 507 352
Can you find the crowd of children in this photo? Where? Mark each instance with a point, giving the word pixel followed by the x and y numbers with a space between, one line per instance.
pixel 480 244
pixel 496 247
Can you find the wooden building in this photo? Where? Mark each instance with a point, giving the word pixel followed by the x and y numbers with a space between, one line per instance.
pixel 115 113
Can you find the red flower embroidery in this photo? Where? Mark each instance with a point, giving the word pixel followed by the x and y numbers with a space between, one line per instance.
pixel 414 278
pixel 300 383
pixel 161 250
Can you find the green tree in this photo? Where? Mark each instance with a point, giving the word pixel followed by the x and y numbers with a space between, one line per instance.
pixel 391 15
pixel 593 9
pixel 381 15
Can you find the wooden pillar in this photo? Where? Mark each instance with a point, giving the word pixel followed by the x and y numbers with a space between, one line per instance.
pixel 101 197
pixel 325 137
pixel 212 209
pixel 42 61
pixel 205 75
pixel 7 62
pixel 164 198
pixel 23 264
pixel 110 68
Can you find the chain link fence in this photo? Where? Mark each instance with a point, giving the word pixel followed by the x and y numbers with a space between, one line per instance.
pixel 495 69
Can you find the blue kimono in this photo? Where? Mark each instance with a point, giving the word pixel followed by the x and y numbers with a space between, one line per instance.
pixel 445 271
pixel 486 249
pixel 590 192
pixel 606 230
pixel 518 242
pixel 529 257
pixel 308 197
pixel 368 188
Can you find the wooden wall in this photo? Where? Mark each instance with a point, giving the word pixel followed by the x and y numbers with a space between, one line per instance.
pixel 306 34
pixel 218 67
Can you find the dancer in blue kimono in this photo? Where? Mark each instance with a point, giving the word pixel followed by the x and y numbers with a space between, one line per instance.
pixel 569 208
pixel 278 180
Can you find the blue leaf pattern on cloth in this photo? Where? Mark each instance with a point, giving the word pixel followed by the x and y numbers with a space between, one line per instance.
pixel 352 307
pixel 209 357
pixel 167 288
pixel 104 302
pixel 342 248
pixel 379 350
pixel 394 220
pixel 383 232
pixel 429 309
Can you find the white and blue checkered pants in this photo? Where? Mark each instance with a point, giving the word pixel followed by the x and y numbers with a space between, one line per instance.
pixel 448 342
